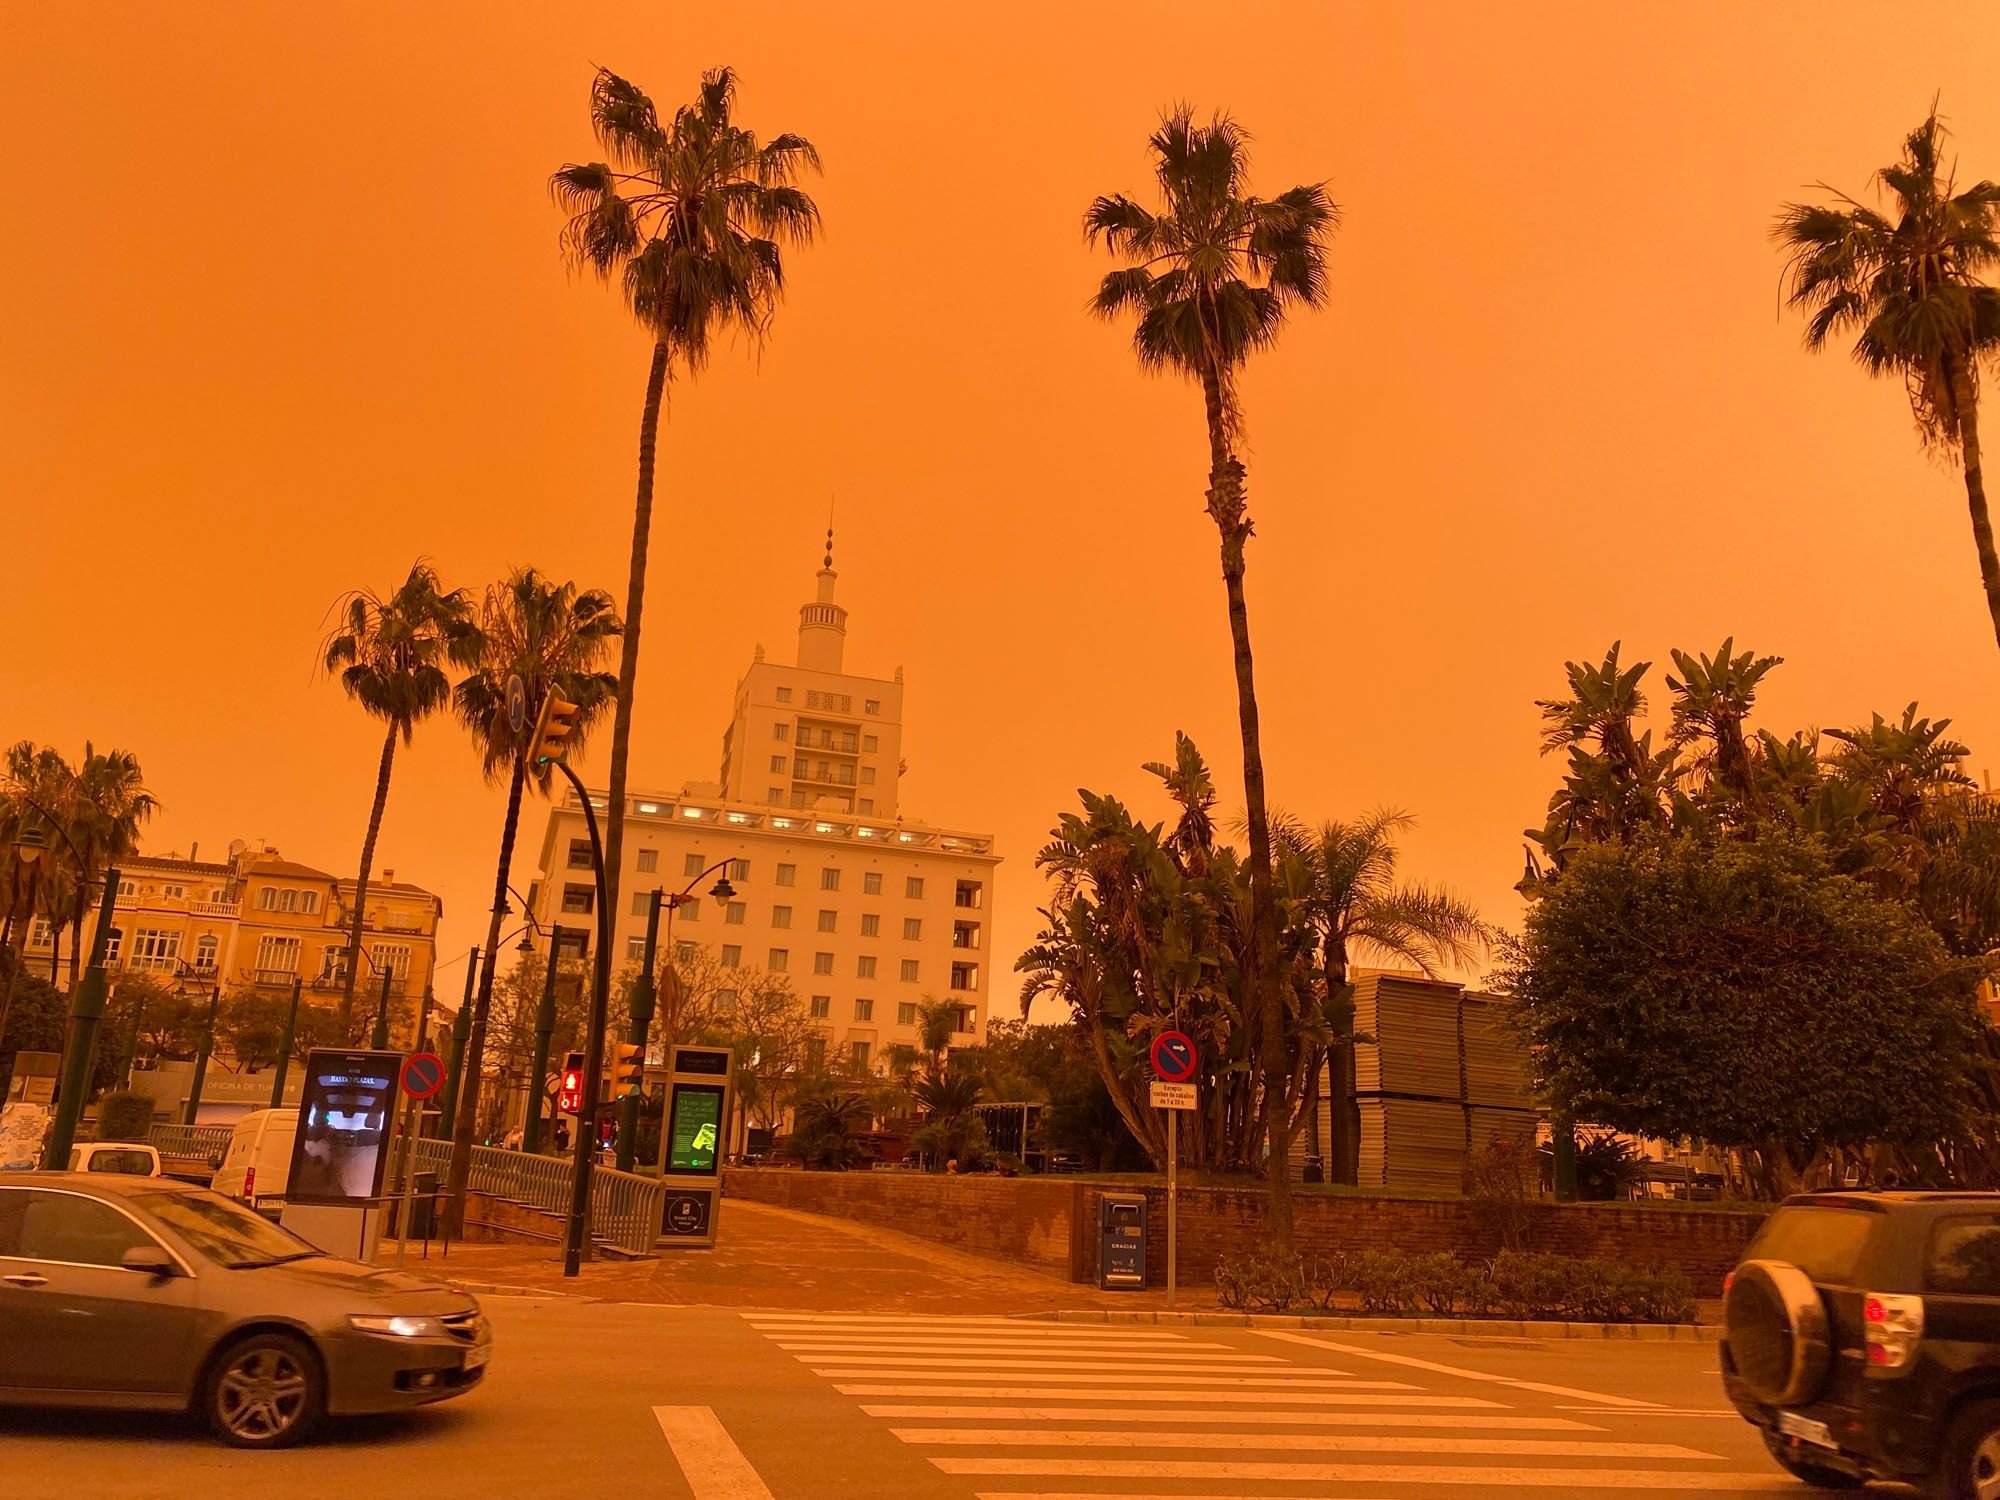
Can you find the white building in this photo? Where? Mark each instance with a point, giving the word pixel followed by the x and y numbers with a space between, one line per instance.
pixel 869 913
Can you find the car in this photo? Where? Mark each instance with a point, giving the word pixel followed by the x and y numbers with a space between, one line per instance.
pixel 1861 1336
pixel 145 1293
pixel 132 1158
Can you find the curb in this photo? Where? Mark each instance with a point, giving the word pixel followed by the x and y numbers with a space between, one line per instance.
pixel 1652 1333
pixel 497 1289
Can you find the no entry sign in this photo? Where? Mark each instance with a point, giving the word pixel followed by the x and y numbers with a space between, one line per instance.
pixel 1173 1057
pixel 423 1074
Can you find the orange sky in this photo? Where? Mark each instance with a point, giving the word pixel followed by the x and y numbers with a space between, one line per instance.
pixel 282 310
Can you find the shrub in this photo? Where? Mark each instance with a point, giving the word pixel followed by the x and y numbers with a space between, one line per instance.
pixel 1266 1280
pixel 1501 1179
pixel 124 1116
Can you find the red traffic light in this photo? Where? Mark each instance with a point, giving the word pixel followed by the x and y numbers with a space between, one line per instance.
pixel 570 1095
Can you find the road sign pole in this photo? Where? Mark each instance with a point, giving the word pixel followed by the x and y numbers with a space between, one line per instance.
pixel 403 1208
pixel 1173 1200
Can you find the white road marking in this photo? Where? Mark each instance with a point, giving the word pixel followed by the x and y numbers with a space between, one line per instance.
pixel 1408 1362
pixel 999 1362
pixel 1242 1418
pixel 715 1467
pixel 875 1348
pixel 975 1330
pixel 1033 1392
pixel 1290 1442
pixel 889 1318
pixel 1616 1481
pixel 1656 1411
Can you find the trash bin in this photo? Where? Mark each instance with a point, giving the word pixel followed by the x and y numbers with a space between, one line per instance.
pixel 423 1204
pixel 1121 1242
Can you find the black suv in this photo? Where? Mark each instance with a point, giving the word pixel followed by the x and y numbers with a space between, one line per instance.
pixel 1862 1337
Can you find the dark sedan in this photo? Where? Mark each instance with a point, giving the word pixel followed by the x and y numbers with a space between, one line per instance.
pixel 142 1293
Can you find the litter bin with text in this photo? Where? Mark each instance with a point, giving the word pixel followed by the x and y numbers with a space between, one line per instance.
pixel 1121 1241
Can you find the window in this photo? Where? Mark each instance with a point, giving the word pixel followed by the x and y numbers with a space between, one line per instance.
pixel 829 921
pixel 829 879
pixel 579 899
pixel 906 1013
pixel 173 892
pixel 649 861
pixel 781 916
pixel 41 934
pixel 788 874
pixel 736 913
pixel 116 941
pixel 913 929
pixel 277 955
pixel 967 894
pixel 393 958
pixel 739 869
pixel 784 695
pixel 821 1006
pixel 867 805
pixel 66 1228
pixel 965 976
pixel 798 797
pixel 871 705
pixel 909 974
pixel 777 765
pixel 913 887
pixel 635 949
pixel 858 1051
pixel 871 883
pixel 579 854
pixel 684 951
pixel 781 732
pixel 288 901
pixel 642 902
pixel 572 942
pixel 205 949
pixel 333 964
pixel 779 961
pixel 725 1002
pixel 868 776
pixel 691 864
pixel 308 901
pixel 864 1010
pixel 690 911
pixel 155 949
pixel 822 963
pixel 267 899
pixel 964 1021
pixel 1965 1257
pixel 868 743
pixel 965 934
pixel 127 890
pixel 871 925
pixel 815 1053
pixel 774 795
pixel 732 955
pixel 864 967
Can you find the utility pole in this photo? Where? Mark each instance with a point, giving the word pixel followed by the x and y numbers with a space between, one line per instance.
pixel 201 1057
pixel 86 1013
pixel 132 1044
pixel 461 1028
pixel 285 1047
pixel 575 1236
pixel 641 1007
pixel 545 1028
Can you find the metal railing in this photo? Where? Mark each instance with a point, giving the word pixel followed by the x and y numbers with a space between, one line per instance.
pixel 205 1142
pixel 624 1206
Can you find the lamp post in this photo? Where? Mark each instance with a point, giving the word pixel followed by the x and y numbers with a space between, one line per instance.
pixel 285 1047
pixel 545 1027
pixel 643 997
pixel 201 1058
pixel 132 1044
pixel 461 1029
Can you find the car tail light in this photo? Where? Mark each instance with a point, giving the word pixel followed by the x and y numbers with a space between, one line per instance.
pixel 249 1184
pixel 1892 1325
pixel 1728 1281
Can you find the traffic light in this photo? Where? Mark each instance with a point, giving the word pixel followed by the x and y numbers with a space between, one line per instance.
pixel 628 1061
pixel 569 1097
pixel 553 727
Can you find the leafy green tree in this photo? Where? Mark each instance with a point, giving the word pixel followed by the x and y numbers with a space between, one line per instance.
pixel 39 1022
pixel 551 638
pixel 391 653
pixel 1908 281
pixel 824 1126
pixel 1210 278
pixel 1743 992
pixel 251 1024
pixel 692 215
pixel 123 1115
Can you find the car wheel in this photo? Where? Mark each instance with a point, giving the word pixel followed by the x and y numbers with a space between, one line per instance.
pixel 1969 1468
pixel 1788 1458
pixel 265 1392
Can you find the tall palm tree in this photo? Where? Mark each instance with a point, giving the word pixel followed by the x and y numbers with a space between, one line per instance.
pixel 106 805
pixel 552 636
pixel 1211 277
pixel 692 214
pixel 391 654
pixel 1910 285
pixel 1360 909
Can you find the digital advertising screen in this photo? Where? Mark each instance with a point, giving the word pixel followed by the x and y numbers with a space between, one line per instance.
pixel 342 1145
pixel 694 1135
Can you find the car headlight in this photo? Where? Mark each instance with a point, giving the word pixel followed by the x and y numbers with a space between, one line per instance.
pixel 400 1327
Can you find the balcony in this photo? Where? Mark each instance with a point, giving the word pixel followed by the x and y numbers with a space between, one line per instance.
pixel 273 976
pixel 157 963
pixel 215 908
pixel 197 969
pixel 825 776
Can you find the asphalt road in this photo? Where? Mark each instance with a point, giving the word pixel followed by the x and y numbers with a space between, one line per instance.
pixel 659 1403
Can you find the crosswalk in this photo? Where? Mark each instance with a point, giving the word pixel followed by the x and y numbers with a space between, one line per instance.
pixel 1044 1411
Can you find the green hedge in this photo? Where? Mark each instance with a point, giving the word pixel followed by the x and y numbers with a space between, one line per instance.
pixel 1515 1284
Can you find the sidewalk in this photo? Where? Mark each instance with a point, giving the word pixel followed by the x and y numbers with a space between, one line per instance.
pixel 780 1258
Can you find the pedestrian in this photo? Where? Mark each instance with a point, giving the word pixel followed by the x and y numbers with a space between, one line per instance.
pixel 951 1166
pixel 562 1135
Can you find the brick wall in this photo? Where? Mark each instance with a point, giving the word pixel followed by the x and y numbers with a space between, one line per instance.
pixel 1050 1223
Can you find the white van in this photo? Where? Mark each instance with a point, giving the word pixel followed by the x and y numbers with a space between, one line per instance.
pixel 258 1162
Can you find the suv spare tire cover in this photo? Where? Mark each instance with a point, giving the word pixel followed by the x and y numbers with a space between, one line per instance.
pixel 1775 1321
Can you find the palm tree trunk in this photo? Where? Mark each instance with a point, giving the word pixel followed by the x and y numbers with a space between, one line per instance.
pixel 1967 404
pixel 467 1124
pixel 75 947
pixel 346 1013
pixel 635 603
pixel 1226 506
pixel 55 951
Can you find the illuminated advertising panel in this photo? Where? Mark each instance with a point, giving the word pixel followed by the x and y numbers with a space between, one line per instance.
pixel 694 1137
pixel 340 1150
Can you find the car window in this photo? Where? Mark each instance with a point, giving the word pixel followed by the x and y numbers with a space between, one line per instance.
pixel 1823 1241
pixel 225 1232
pixel 1965 1257
pixel 13 1204
pixel 78 1230
pixel 136 1163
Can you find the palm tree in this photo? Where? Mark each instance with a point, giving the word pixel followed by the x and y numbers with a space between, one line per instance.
pixel 1908 284
pixel 552 637
pixel 692 215
pixel 391 655
pixel 1360 909
pixel 1211 278
pixel 1713 697
pixel 106 804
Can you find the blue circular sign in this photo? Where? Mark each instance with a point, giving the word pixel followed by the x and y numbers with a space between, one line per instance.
pixel 1174 1058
